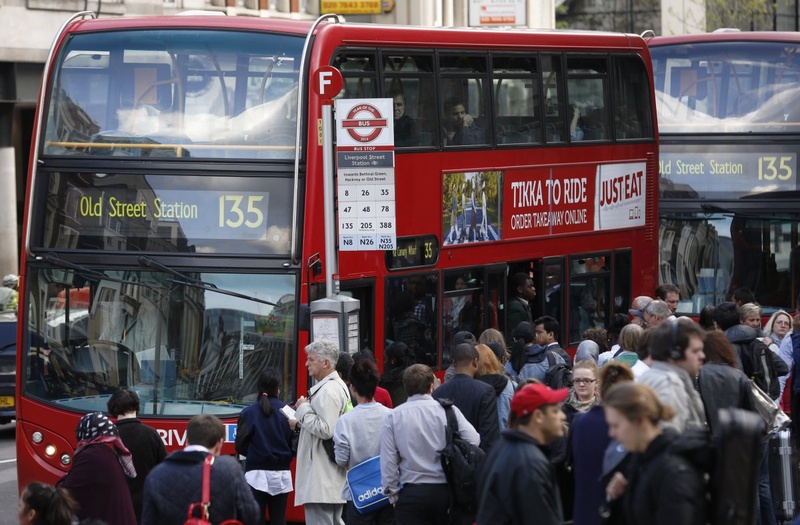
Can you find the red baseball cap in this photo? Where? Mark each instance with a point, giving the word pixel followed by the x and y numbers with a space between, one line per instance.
pixel 533 396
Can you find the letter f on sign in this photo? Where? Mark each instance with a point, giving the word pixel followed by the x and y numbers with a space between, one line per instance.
pixel 329 82
pixel 324 80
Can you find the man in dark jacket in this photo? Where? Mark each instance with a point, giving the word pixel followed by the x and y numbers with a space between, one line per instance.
pixel 176 482
pixel 764 367
pixel 475 399
pixel 519 308
pixel 518 481
pixel 547 333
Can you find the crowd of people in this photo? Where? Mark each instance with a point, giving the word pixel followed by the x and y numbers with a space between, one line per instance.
pixel 602 450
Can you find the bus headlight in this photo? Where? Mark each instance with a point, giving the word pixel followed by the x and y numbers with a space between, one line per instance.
pixel 37 437
pixel 50 451
pixel 65 459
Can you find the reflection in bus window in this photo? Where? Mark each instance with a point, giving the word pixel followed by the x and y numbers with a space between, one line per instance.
pixel 183 349
pixel 553 293
pixel 589 289
pixel 163 93
pixel 412 313
pixel 632 113
pixel 586 92
pixel 552 91
pixel 516 94
pixel 358 71
pixel 709 255
pixel 727 86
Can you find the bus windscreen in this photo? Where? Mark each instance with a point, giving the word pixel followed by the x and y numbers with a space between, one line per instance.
pixel 168 93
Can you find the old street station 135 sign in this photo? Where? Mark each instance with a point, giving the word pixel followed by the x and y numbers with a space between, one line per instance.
pixel 365 174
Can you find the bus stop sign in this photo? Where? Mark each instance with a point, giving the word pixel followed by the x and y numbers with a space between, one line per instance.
pixel 327 82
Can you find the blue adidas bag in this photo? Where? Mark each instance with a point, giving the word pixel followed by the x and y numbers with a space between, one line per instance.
pixel 365 486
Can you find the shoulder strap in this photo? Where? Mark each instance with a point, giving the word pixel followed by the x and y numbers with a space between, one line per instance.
pixel 452 421
pixel 207 484
pixel 551 359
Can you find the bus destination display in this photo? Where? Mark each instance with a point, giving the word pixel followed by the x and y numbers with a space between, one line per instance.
pixel 206 214
pixel 413 252
pixel 741 172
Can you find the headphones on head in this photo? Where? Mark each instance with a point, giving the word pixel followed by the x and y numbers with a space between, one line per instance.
pixel 675 350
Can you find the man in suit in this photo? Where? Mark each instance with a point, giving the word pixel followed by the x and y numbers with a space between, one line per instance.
pixel 519 308
pixel 476 399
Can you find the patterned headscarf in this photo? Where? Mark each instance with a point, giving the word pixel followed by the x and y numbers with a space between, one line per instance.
pixel 97 428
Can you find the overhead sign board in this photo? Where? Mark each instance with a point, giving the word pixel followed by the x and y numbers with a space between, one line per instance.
pixel 351 7
pixel 488 13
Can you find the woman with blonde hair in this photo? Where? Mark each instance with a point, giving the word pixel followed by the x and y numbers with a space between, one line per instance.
pixel 491 372
pixel 659 486
pixel 629 340
pixel 495 340
pixel 750 315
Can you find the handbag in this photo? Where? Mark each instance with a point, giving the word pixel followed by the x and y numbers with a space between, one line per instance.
pixel 775 418
pixel 365 486
pixel 295 441
pixel 206 503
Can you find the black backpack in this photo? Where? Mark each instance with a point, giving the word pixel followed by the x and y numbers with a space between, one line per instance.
pixel 757 365
pixel 730 461
pixel 461 461
pixel 558 374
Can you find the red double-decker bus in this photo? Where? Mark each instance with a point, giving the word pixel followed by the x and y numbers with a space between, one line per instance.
pixel 174 223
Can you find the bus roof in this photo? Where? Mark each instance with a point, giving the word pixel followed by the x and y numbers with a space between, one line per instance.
pixel 725 36
pixel 387 35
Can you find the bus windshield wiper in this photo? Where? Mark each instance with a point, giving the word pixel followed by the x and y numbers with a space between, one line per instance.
pixel 197 283
pixel 55 260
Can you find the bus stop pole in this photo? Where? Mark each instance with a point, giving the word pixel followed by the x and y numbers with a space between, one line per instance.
pixel 331 262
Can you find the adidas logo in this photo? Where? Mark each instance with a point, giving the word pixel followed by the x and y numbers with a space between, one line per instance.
pixel 377 491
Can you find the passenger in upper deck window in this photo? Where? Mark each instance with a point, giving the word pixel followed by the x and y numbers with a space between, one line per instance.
pixel 575 130
pixel 406 133
pixel 459 126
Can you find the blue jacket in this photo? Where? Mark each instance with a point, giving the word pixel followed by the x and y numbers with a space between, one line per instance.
pixel 537 364
pixel 270 438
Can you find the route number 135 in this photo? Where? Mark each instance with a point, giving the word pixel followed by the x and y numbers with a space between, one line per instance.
pixel 238 210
